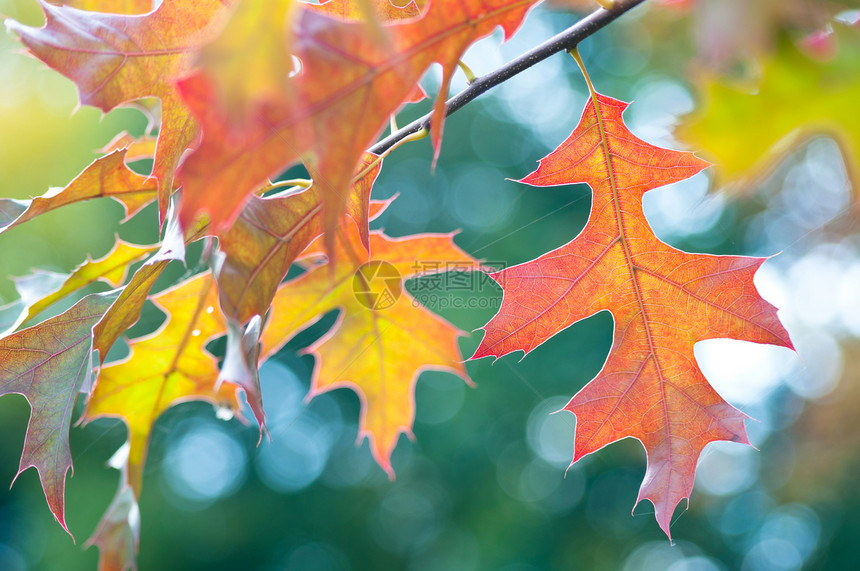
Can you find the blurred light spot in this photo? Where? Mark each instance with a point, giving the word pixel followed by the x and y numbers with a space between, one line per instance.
pixel 661 556
pixel 404 520
pixel 796 524
pixel 811 191
pixel 509 466
pixel 534 98
pixel 296 455
pixel 760 424
pixel 539 480
pixel 744 513
pixel 480 199
pixel 616 58
pixel 773 555
pixel 772 285
pixel 210 309
pixel 195 333
pixel 743 372
pixel 317 556
pixel 727 468
pixel 453 549
pixel 283 395
pixel 698 563
pixel 849 299
pixel 416 204
pixel 815 188
pixel 204 464
pixel 442 397
pixel 820 367
pixel 11 560
pixel 349 464
pixel 491 139
pixel 657 105
pixel 815 280
pixel 550 435
pixel 567 494
pixel 850 17
pixel 683 208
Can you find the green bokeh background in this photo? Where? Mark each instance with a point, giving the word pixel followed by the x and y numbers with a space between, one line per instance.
pixel 483 485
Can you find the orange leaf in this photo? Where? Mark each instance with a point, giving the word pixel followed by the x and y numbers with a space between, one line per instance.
pixel 107 176
pixel 663 301
pixel 383 339
pixel 115 59
pixel 352 78
pixel 165 368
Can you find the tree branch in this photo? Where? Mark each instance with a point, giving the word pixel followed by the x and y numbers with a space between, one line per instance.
pixel 564 41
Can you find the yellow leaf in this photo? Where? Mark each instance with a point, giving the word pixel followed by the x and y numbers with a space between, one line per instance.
pixel 165 368
pixel 383 339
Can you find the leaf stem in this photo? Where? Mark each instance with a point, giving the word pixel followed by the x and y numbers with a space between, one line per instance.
pixel 575 55
pixel 417 136
pixel 564 41
pixel 467 71
pixel 299 182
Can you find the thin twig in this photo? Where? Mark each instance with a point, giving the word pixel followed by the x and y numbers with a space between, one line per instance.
pixel 566 40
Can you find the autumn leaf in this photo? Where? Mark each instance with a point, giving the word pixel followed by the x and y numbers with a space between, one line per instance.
pixel 115 59
pixel 797 98
pixel 269 234
pixel 352 78
pixel 118 533
pixel 111 269
pixel 48 364
pixel 107 176
pixel 663 301
pixel 383 339
pixel 165 368
pixel 256 254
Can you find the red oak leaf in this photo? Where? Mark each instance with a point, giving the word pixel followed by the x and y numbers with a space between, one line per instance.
pixel 663 301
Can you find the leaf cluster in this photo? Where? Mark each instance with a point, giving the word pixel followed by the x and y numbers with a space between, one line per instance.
pixel 243 91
